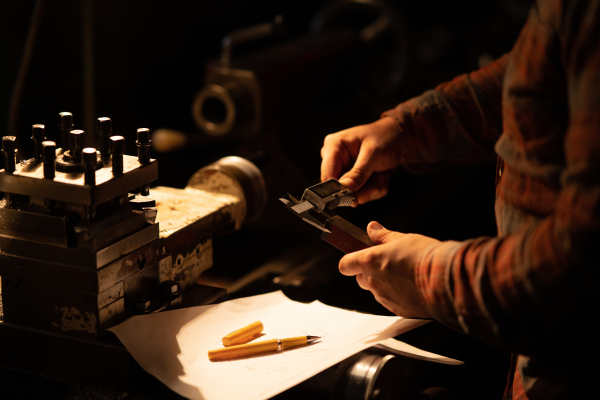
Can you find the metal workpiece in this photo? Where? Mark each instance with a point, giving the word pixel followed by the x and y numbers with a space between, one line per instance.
pixel 9 150
pixel 38 135
pixel 89 158
pixel 238 177
pixel 49 152
pixel 104 132
pixel 143 143
pixel 65 125
pixel 117 150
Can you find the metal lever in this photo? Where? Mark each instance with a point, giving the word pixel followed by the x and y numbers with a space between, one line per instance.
pixel 247 35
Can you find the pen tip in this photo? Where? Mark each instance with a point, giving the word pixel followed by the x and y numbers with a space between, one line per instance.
pixel 311 338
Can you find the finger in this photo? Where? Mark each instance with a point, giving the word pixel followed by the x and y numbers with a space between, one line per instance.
pixel 361 171
pixel 380 235
pixel 335 157
pixel 361 282
pixel 375 188
pixel 349 265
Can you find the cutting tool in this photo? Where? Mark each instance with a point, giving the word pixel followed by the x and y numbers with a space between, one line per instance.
pixel 316 207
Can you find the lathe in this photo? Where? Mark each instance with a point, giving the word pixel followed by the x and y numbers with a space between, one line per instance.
pixel 79 252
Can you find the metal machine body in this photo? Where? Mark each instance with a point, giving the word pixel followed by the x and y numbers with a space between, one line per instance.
pixel 79 253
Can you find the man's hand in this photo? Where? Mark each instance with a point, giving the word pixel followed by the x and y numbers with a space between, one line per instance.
pixel 367 154
pixel 388 269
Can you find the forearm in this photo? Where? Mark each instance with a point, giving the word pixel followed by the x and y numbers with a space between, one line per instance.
pixel 457 123
pixel 522 292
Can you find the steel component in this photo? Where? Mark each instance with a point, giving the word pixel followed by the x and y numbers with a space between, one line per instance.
pixel 143 143
pixel 70 161
pixel 9 149
pixel 49 151
pixel 69 187
pixel 330 194
pixel 38 135
pixel 238 177
pixel 248 35
pixel 145 190
pixel 374 376
pixel 76 257
pixel 221 108
pixel 76 144
pixel 316 209
pixel 345 236
pixel 65 125
pixel 104 132
pixel 117 147
pixel 89 158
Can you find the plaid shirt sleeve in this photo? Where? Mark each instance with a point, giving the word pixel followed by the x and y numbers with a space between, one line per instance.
pixel 456 123
pixel 526 289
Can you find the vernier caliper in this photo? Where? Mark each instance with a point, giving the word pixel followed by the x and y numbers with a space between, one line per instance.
pixel 316 208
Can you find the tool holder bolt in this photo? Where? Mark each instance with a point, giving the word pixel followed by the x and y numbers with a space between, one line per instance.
pixel 143 144
pixel 65 125
pixel 76 144
pixel 104 132
pixel 117 147
pixel 89 165
pixel 49 151
pixel 9 148
pixel 38 135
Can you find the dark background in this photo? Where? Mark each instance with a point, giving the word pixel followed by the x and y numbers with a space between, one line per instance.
pixel 150 60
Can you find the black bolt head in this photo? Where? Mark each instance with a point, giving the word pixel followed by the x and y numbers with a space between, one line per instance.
pixel 104 126
pixel 117 145
pixel 9 144
pixel 75 140
pixel 65 121
pixel 49 149
pixel 89 156
pixel 143 135
pixel 38 132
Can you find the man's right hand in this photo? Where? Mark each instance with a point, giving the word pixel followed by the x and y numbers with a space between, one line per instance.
pixel 365 155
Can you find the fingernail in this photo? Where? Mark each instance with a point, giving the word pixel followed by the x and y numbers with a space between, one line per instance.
pixel 375 195
pixel 375 226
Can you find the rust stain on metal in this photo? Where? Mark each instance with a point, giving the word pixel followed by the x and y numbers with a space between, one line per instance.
pixel 73 320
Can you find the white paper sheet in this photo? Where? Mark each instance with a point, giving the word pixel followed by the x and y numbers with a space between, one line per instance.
pixel 396 346
pixel 173 345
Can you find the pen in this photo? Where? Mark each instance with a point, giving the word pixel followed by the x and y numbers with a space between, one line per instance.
pixel 260 347
pixel 242 334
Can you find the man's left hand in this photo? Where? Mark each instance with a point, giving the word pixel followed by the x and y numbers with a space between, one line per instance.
pixel 388 269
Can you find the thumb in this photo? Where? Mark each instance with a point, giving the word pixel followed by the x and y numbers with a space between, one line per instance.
pixel 380 235
pixel 360 172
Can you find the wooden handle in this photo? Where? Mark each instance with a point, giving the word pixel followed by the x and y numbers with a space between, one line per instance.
pixel 346 236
